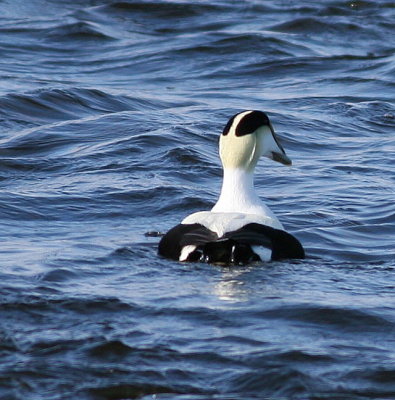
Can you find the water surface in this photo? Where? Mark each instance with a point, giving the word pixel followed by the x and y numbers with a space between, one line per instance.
pixel 109 120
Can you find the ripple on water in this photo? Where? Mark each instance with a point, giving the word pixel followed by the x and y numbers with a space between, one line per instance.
pixel 109 121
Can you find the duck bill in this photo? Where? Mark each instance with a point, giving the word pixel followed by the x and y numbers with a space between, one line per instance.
pixel 278 154
pixel 281 158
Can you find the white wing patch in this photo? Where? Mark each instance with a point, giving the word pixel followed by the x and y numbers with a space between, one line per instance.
pixel 222 222
pixel 186 251
pixel 264 253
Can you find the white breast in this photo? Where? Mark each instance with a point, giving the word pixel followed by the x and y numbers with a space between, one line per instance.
pixel 222 222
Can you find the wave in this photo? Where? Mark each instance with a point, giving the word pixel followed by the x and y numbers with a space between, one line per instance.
pixel 110 113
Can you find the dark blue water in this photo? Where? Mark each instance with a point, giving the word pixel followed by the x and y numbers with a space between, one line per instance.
pixel 109 120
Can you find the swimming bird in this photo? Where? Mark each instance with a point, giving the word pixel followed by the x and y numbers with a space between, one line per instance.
pixel 240 228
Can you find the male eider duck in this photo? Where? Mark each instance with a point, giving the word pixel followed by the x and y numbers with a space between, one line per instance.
pixel 239 229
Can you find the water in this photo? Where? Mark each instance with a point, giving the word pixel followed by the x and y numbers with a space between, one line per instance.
pixel 109 121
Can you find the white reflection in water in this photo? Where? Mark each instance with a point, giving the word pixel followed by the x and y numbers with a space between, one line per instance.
pixel 232 287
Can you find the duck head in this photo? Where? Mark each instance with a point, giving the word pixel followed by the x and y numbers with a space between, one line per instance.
pixel 246 137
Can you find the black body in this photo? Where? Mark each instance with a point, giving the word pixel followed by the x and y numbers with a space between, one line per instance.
pixel 232 248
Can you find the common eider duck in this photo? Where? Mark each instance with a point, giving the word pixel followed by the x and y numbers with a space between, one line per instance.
pixel 239 229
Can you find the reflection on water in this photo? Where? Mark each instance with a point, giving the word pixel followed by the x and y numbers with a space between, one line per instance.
pixel 231 287
pixel 243 284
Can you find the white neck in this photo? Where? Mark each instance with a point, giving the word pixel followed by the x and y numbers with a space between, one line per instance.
pixel 238 194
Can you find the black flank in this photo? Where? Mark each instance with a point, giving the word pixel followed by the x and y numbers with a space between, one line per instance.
pixel 233 248
pixel 182 235
pixel 282 243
